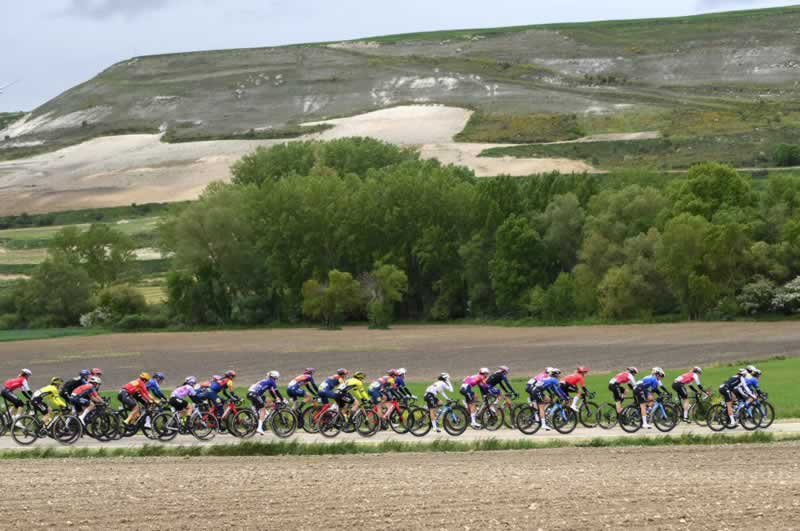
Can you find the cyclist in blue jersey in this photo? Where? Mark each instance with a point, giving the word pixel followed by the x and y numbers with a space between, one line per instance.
pixel 256 396
pixel 153 385
pixel 544 391
pixel 643 392
pixel 328 388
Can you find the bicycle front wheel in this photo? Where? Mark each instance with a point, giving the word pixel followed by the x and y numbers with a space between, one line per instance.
pixel 589 414
pixel 283 423
pixel 419 421
pixel 368 423
pixel 491 418
pixel 564 420
pixel 166 426
pixel 203 426
pixel 66 429
pixel 242 424
pixel 717 418
pixel 25 430
pixel 328 424
pixel 630 420
pixel 750 417
pixel 767 414
pixel 665 418
pixel 607 416
pixel 455 420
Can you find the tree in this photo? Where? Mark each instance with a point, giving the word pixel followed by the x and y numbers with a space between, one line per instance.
pixel 787 297
pixel 786 155
pixel 757 296
pixel 105 253
pixel 57 294
pixel 119 301
pixel 516 266
pixel 330 302
pixel 562 227
pixel 709 188
pixel 383 287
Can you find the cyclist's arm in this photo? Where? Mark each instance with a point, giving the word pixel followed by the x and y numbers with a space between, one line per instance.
pixel 505 385
pixel 312 386
pixel 158 393
pixel 276 393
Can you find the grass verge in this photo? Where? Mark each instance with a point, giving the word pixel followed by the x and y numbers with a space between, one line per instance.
pixel 267 449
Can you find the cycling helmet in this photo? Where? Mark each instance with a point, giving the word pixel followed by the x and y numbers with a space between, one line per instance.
pixel 95 380
pixel 216 378
pixel 85 373
pixel 145 376
pixel 190 380
pixel 342 372
pixel 756 372
pixel 391 372
pixel 503 368
pixel 583 370
pixel 484 370
pixel 231 374
pixel 697 370
pixel 742 372
pixel 554 372
pixel 633 370
pixel 401 371
pixel 159 376
pixel 658 371
pixel 360 375
pixel 274 374
pixel 548 369
pixel 55 380
pixel 751 369
pixel 309 370
pixel 97 372
pixel 444 377
pixel 26 372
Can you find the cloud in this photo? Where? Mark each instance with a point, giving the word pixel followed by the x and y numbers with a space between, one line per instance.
pixel 103 9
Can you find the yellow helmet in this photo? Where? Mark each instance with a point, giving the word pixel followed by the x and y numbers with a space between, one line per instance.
pixel 145 376
pixel 360 375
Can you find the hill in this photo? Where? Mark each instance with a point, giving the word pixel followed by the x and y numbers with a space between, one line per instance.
pixel 703 76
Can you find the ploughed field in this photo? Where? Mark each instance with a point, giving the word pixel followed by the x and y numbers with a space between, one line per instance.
pixel 424 350
pixel 700 487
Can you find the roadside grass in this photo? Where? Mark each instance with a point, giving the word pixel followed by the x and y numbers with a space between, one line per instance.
pixel 49 333
pixel 515 129
pixel 295 448
pixel 39 237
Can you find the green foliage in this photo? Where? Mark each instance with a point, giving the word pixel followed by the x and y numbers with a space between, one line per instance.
pixel 383 287
pixel 515 128
pixel 106 254
pixel 515 267
pixel 557 302
pixel 332 301
pixel 786 155
pixel 57 294
pixel 141 322
pixel 710 188
pixel 120 301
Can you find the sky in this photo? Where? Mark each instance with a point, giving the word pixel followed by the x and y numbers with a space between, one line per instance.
pixel 48 46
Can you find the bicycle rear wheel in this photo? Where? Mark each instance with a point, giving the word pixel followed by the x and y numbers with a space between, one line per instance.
pixel 491 418
pixel 283 423
pixel 308 422
pixel 667 420
pixel 589 414
pixel 607 416
pixel 66 429
pixel 368 423
pixel 398 421
pixel 242 424
pixel 25 430
pixel 329 424
pixel 527 420
pixel 564 420
pixel 750 417
pixel 630 420
pixel 455 420
pixel 419 422
pixel 203 426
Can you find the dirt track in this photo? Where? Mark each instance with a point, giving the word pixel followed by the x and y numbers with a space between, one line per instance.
pixel 727 487
pixel 425 350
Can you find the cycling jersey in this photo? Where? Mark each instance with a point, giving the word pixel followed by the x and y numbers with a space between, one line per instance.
pixel 86 390
pixel 153 387
pixel 355 387
pixel 649 383
pixel 224 385
pixel 499 378
pixel 183 391
pixel 138 387
pixel 689 378
pixel 332 382
pixel 49 394
pixel 539 377
pixel 438 388
pixel 298 382
pixel 752 383
pixel 575 380
pixel 382 383
pixel 20 382
pixel 267 384
pixel 400 385
pixel 623 378
pixel 475 379
pixel 70 385
pixel 552 385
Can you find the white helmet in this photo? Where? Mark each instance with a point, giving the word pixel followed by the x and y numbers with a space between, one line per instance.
pixel 658 371
pixel 26 372
pixel 444 376
pixel 95 380
pixel 751 369
pixel 554 371
pixel 274 374
pixel 401 371
pixel 484 370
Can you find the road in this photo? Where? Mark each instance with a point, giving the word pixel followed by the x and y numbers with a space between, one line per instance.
pixel 580 433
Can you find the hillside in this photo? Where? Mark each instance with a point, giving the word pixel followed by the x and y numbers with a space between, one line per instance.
pixel 705 76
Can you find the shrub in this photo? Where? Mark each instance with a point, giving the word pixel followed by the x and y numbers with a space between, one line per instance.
pixel 9 321
pixel 140 322
pixel 119 301
pixel 757 296
pixel 787 298
pixel 786 155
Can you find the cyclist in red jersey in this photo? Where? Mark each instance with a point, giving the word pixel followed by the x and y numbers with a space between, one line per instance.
pixel 134 393
pixel 627 377
pixel 19 383
pixel 573 383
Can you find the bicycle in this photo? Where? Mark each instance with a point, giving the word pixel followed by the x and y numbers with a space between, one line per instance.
pixel 748 415
pixel 240 423
pixel 29 428
pixel 489 415
pixel 452 416
pixel 700 405
pixel 561 416
pixel 588 412
pixel 280 418
pixel 6 417
pixel 607 416
pixel 662 414
pixel 767 410
pixel 201 423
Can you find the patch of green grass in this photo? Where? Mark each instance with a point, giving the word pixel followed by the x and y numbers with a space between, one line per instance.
pixel 508 128
pixel 749 149
pixel 7 118
pixel 280 448
pixel 48 333
pixel 183 134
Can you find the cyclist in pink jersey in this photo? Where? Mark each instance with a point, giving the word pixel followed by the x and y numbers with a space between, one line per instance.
pixel 627 377
pixel 690 379
pixel 469 395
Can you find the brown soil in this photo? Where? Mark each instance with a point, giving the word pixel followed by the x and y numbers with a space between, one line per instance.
pixel 424 350
pixel 729 487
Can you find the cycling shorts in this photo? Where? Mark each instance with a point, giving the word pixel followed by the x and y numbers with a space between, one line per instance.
pixel 617 390
pixel 126 399
pixel 295 391
pixel 12 398
pixel 468 393
pixel 680 388
pixel 178 403
pixel 431 400
pixel 257 400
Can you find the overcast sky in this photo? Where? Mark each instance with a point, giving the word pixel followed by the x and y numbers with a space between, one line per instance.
pixel 51 45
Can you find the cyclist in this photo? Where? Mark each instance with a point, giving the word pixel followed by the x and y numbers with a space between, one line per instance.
pixel 735 385
pixel 551 386
pixel 177 398
pixel 96 372
pixel 531 384
pixel 328 388
pixel 380 388
pixel 469 395
pixel 295 388
pixel 643 392
pixel 499 378
pixel 572 383
pixel 255 393
pixel 435 389
pixel 134 393
pixel 85 397
pixel 400 384
pixel 627 377
pixel 354 388
pixel 19 383
pixel 692 379
pixel 222 385
pixel 752 380
pixel 48 398
pixel 154 387
pixel 71 384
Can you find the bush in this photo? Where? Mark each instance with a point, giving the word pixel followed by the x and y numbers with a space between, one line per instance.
pixel 786 155
pixel 757 296
pixel 787 298
pixel 140 322
pixel 119 301
pixel 9 321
